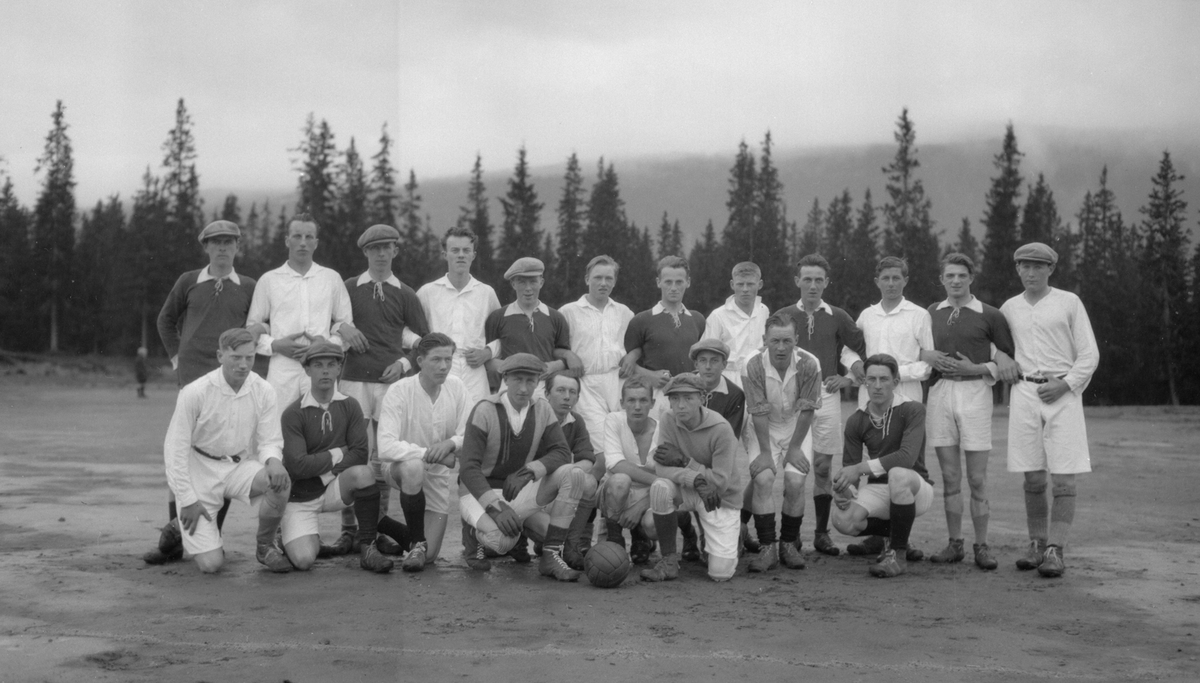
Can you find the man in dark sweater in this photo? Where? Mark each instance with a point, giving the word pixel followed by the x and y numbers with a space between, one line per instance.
pixel 562 391
pixel 202 304
pixel 325 454
pixel 516 473
pixel 892 430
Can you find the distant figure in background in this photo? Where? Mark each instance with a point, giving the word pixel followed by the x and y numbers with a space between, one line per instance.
pixel 140 372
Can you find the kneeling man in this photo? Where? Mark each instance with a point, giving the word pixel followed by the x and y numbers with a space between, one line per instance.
pixel 892 429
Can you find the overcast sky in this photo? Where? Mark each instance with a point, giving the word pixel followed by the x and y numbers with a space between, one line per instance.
pixel 619 79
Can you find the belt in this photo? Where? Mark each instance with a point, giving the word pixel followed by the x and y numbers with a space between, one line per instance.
pixel 234 458
pixel 956 378
pixel 1036 380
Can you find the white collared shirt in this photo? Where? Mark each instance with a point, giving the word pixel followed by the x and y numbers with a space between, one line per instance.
pixel 742 333
pixel 211 415
pixel 1053 337
pixel 410 421
pixel 459 314
pixel 620 443
pixel 516 418
pixel 902 333
pixel 597 336
pixel 315 303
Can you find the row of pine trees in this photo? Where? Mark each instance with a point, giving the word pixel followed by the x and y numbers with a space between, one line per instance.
pixel 92 281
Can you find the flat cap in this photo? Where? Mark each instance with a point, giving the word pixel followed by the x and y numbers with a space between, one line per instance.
pixel 526 265
pixel 324 349
pixel 683 383
pixel 1036 251
pixel 522 362
pixel 220 229
pixel 378 233
pixel 709 344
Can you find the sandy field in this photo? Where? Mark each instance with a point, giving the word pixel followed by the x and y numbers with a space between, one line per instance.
pixel 82 495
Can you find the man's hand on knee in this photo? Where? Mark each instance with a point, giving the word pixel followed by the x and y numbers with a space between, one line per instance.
pixel 190 515
pixel 517 481
pixel 506 518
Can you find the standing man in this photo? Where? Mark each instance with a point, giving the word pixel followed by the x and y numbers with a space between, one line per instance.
pixel 457 306
pixel 529 326
pixel 297 304
pixel 625 495
pixel 965 331
pixel 224 442
pixel 741 323
pixel 325 453
pixel 202 304
pixel 389 315
pixel 892 430
pixel 562 392
pixel 598 325
pixel 701 467
pixel 421 426
pixel 823 331
pixel 1056 355
pixel 784 391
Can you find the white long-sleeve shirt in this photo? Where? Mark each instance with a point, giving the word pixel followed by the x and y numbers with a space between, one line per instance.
pixel 1053 337
pixel 902 333
pixel 210 415
pixel 742 333
pixel 597 336
pixel 410 422
pixel 620 444
pixel 459 314
pixel 315 303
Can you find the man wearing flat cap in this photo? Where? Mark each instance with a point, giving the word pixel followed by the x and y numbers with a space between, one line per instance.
pixel 516 474
pixel 1056 353
pixel 202 304
pixel 388 313
pixel 325 453
pixel 700 467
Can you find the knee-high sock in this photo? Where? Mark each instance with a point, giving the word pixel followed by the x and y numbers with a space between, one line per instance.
pixel 747 515
pixel 902 522
pixel 397 531
pixel 221 515
pixel 765 526
pixel 1062 514
pixel 413 505
pixel 1036 511
pixel 877 527
pixel 385 497
pixel 821 504
pixel 366 511
pixel 789 528
pixel 665 525
pixel 614 532
pixel 172 510
pixel 270 512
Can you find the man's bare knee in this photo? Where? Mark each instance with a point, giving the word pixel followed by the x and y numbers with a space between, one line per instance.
pixel 210 562
pixel 765 480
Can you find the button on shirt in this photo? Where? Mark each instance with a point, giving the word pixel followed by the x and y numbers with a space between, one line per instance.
pixel 222 422
pixel 459 314
pixel 1053 337
pixel 315 303
pixel 742 333
pixel 901 333
pixel 410 421
pixel 597 336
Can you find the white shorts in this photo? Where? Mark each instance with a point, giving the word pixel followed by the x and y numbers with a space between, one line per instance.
pixel 960 414
pixel 599 395
pixel 214 481
pixel 368 394
pixel 301 519
pixel 781 437
pixel 436 484
pixel 287 377
pixel 1046 437
pixel 826 428
pixel 876 500
pixel 525 504
pixel 722 527
pixel 475 379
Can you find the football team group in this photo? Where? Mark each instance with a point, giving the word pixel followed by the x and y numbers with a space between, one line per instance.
pixel 586 422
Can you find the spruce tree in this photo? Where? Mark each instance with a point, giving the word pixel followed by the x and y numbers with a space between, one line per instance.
pixel 838 225
pixel 339 240
pixel 706 265
pixel 316 164
pixel 771 228
pixel 253 245
pixel 1040 220
pixel 416 261
pixel 570 260
pixel 995 281
pixel 966 243
pixel 475 214
pixel 145 287
pixel 381 207
pixel 739 238
pixel 812 233
pixel 608 230
pixel 1164 267
pixel 17 299
pixel 54 227
pixel 520 234
pixel 96 261
pixel 908 228
pixel 862 253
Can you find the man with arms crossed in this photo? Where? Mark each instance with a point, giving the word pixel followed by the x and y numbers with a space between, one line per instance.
pixel 325 453
pixel 965 331
pixel 1057 355
pixel 625 494
pixel 421 424
pixel 740 322
pixel 783 391
pixel 457 306
pixel 892 430
pixel 823 331
pixel 224 441
pixel 202 304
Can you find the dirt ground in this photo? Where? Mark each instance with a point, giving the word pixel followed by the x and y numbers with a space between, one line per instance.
pixel 81 498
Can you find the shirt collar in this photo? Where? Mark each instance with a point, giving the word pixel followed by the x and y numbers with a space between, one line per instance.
pixel 731 305
pixel 445 282
pixel 307 401
pixel 515 309
pixel 822 307
pixel 205 276
pixel 975 304
pixel 569 419
pixel 659 308
pixel 288 270
pixel 721 388
pixel 366 277
pixel 904 305
pixel 583 301
pixel 766 363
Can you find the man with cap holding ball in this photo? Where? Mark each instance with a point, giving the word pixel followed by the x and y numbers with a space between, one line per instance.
pixel 516 473
pixel 202 304
pixel 1057 355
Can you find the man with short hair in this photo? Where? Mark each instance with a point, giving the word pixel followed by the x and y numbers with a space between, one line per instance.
pixel 892 430
pixel 823 331
pixel 598 324
pixel 740 322
pixel 628 447
pixel 966 332
pixel 421 425
pixel 202 304
pixel 325 453
pixel 562 392
pixel 457 305
pixel 224 441
pixel 516 473
pixel 1056 355
pixel 296 304
pixel 700 466
pixel 783 391
pixel 529 326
